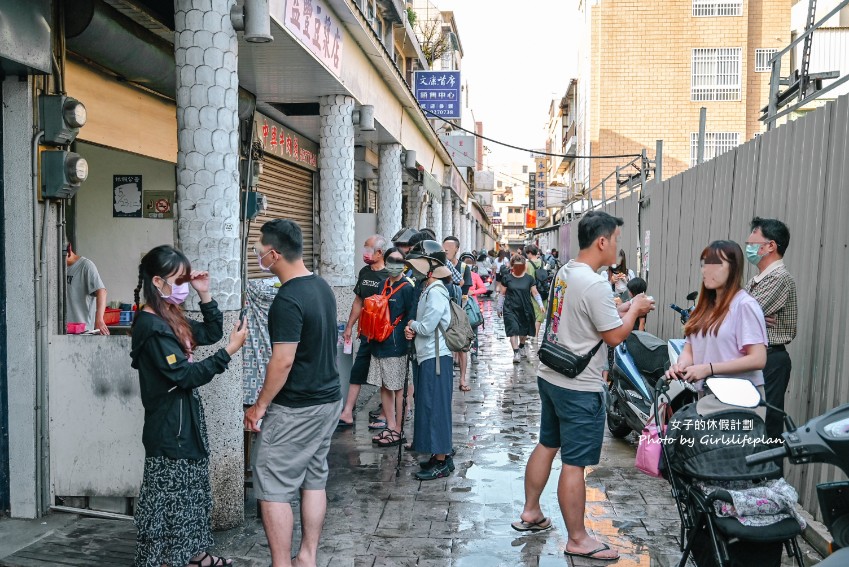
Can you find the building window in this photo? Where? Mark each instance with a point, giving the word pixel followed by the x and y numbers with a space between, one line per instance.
pixel 703 8
pixel 762 57
pixel 716 144
pixel 716 74
pixel 524 169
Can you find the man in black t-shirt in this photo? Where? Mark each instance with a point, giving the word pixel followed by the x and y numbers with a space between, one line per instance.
pixel 369 282
pixel 299 404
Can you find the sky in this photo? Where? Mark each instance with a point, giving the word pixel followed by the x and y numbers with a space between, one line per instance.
pixel 517 57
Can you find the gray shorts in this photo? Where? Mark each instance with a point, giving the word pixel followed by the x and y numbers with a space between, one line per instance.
pixel 290 452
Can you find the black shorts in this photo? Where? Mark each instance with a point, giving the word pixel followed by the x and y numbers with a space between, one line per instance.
pixel 360 368
pixel 572 421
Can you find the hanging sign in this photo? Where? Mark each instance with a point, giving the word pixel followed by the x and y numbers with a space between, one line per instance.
pixel 438 92
pixel 539 191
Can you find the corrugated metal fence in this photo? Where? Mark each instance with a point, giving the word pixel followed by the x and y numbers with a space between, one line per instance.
pixel 798 173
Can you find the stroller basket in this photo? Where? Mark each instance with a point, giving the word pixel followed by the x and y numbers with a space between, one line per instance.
pixel 715 447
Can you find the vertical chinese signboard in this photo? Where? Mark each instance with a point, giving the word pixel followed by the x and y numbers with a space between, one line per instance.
pixel 438 92
pixel 312 22
pixel 539 199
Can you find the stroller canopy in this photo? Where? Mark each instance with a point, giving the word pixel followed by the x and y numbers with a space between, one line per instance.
pixel 716 447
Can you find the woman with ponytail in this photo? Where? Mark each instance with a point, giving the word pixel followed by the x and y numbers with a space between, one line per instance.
pixel 173 510
pixel 726 334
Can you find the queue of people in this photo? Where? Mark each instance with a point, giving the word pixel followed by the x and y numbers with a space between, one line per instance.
pixel 735 331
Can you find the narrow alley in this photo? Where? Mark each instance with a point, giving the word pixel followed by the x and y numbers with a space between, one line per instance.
pixel 376 519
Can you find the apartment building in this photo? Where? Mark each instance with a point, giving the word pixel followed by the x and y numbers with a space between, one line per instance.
pixel 646 68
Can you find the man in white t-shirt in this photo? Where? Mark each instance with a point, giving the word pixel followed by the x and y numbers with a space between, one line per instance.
pixel 573 409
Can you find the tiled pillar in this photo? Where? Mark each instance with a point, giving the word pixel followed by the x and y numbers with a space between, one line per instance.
pixel 434 218
pixel 447 217
pixel 389 191
pixel 205 51
pixel 336 198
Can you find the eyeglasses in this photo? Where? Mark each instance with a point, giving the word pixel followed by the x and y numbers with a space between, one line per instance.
pixel 759 243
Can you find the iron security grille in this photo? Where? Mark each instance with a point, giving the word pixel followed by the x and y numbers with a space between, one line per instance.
pixel 762 57
pixel 716 74
pixel 716 144
pixel 707 8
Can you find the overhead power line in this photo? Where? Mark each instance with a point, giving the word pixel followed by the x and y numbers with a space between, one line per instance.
pixel 536 152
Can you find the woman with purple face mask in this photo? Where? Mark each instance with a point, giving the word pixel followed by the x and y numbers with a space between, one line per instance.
pixel 173 510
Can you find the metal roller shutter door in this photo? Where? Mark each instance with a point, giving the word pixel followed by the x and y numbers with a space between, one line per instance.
pixel 290 196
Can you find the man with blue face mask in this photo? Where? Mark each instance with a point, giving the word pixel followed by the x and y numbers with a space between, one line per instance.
pixel 775 291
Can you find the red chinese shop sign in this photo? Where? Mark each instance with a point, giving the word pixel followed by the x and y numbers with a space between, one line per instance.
pixel 287 145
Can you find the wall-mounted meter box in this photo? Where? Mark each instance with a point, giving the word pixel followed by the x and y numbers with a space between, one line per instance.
pixel 62 173
pixel 253 204
pixel 61 118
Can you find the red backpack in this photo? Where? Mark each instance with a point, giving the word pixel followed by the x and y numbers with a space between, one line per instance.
pixel 375 324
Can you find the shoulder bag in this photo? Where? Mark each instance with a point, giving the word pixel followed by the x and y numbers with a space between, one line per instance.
pixel 556 356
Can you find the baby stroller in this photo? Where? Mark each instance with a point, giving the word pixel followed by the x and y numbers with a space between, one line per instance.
pixel 713 453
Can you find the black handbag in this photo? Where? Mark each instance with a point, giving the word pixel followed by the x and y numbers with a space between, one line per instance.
pixel 557 357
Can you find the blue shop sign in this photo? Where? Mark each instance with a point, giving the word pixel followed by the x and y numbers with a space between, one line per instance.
pixel 438 92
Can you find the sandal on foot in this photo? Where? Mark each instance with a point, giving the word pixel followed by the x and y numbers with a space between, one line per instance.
pixel 592 554
pixel 216 561
pixel 380 436
pixel 391 439
pixel 523 526
pixel 465 388
pixel 377 424
pixel 375 413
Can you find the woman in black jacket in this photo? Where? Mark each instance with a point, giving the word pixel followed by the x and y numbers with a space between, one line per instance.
pixel 173 510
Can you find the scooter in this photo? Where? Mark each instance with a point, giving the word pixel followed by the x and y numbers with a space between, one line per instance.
pixel 823 439
pixel 637 364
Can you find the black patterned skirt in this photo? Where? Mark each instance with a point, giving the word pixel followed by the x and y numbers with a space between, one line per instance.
pixel 173 510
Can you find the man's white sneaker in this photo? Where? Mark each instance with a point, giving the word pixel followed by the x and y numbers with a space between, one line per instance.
pixel 517 357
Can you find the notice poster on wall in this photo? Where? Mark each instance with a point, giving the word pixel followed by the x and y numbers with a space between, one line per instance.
pixel 159 204
pixel 127 196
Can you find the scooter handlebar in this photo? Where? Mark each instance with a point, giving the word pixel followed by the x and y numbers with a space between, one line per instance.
pixel 766 456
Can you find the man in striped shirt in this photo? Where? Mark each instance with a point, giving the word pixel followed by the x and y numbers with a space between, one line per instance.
pixel 775 291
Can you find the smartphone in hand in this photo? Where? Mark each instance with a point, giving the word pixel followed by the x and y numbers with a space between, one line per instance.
pixel 243 314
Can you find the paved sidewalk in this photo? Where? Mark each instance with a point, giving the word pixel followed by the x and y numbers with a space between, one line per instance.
pixel 377 520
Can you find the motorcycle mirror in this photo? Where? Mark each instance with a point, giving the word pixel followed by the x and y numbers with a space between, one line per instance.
pixel 692 295
pixel 734 392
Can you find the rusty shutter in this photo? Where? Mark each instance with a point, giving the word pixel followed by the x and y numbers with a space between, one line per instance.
pixel 290 196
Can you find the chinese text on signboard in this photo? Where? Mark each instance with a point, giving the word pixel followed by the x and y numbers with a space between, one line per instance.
pixel 538 192
pixel 461 149
pixel 438 92
pixel 312 22
pixel 287 145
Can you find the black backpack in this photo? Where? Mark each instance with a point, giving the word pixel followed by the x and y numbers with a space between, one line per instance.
pixel 543 279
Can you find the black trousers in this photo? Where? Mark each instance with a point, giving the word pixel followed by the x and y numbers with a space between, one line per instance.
pixel 776 381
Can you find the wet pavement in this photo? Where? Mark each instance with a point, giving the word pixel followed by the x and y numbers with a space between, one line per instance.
pixel 375 519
